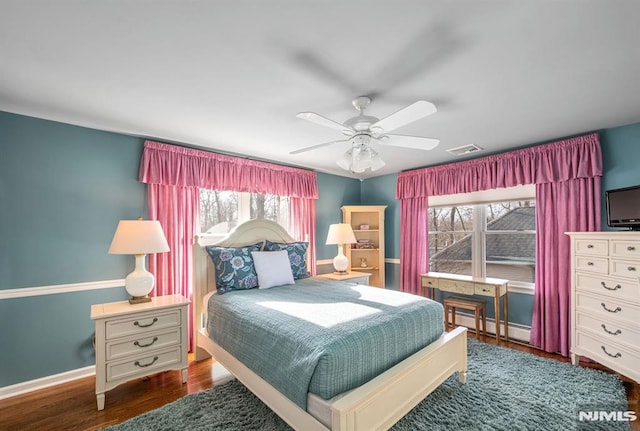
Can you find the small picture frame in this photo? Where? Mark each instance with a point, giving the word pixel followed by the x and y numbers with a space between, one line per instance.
pixel 364 227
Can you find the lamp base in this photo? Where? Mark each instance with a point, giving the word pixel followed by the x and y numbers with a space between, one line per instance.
pixel 341 272
pixel 139 299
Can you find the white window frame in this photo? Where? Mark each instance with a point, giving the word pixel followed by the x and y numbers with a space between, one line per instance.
pixel 478 201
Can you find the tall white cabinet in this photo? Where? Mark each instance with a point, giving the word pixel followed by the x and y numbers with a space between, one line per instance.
pixel 605 299
pixel 367 222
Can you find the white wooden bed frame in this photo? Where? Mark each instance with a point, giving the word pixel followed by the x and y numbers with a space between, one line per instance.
pixel 376 405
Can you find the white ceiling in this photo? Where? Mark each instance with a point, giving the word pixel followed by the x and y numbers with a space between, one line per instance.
pixel 231 75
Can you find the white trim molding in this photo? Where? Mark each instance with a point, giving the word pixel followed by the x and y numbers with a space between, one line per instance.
pixel 516 331
pixel 45 382
pixel 24 292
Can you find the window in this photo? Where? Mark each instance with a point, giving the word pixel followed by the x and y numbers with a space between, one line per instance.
pixel 490 239
pixel 221 211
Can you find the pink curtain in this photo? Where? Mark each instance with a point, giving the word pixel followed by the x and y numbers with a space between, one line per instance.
pixel 563 162
pixel 413 216
pixel 303 221
pixel 177 209
pixel 566 206
pixel 175 175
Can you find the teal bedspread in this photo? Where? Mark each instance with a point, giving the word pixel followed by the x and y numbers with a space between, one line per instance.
pixel 322 336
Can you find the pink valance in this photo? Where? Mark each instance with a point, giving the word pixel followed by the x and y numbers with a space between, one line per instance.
pixel 172 165
pixel 571 158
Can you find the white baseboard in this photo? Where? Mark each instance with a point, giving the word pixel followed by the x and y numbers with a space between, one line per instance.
pixel 45 382
pixel 516 332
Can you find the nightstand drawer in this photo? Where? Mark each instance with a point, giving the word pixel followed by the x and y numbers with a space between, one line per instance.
pixel 143 365
pixel 137 345
pixel 141 324
pixel 464 287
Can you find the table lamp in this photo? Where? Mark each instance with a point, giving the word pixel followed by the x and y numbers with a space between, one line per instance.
pixel 340 233
pixel 139 237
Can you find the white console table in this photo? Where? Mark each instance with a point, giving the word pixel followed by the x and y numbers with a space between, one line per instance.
pixel 468 285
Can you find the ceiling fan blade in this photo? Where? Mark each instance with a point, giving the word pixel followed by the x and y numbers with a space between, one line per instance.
pixel 313 147
pixel 417 142
pixel 323 121
pixel 407 115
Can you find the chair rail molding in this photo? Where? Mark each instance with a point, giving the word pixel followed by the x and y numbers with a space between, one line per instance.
pixel 23 292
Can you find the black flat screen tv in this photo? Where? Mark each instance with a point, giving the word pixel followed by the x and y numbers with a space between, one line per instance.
pixel 623 207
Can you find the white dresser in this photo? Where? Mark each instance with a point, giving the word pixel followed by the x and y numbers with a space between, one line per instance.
pixel 605 299
pixel 133 341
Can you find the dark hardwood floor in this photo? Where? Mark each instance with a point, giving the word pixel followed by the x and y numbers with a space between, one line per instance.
pixel 72 406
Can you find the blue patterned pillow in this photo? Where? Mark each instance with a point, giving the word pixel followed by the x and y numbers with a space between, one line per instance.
pixel 234 267
pixel 297 256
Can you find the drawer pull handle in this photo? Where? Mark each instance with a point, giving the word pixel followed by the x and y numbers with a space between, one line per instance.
pixel 155 358
pixel 138 324
pixel 617 355
pixel 609 310
pixel 631 248
pixel 590 263
pixel 616 287
pixel 589 245
pixel 137 343
pixel 617 332
pixel 631 268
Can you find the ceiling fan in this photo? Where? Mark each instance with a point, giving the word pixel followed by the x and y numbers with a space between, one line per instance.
pixel 363 129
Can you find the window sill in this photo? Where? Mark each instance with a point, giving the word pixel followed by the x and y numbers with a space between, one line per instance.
pixel 521 287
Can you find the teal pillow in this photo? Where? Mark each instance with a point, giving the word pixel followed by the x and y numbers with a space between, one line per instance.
pixel 234 267
pixel 297 252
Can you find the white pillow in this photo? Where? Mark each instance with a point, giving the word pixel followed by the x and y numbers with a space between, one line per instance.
pixel 273 268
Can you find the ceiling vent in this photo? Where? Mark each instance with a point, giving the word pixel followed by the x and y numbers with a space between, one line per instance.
pixel 464 150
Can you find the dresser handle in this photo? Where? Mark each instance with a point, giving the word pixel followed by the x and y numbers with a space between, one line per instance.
pixel 617 355
pixel 137 343
pixel 616 287
pixel 155 319
pixel 590 263
pixel 631 268
pixel 155 358
pixel 631 248
pixel 610 311
pixel 589 245
pixel 618 332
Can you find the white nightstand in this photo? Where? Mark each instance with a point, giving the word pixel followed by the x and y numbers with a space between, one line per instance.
pixel 351 277
pixel 134 341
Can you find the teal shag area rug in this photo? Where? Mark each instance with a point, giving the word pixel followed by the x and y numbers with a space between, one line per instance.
pixel 506 390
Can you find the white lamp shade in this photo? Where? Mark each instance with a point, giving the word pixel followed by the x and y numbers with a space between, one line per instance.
pixel 340 233
pixel 138 237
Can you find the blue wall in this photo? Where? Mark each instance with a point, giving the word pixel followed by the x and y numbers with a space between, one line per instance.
pixel 62 190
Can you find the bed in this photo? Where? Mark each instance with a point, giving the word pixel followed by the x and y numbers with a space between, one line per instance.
pixel 376 404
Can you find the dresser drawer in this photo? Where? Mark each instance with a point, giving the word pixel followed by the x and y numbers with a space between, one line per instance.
pixel 143 365
pixel 457 286
pixel 592 264
pixel 609 331
pixel 142 323
pixel 599 247
pixel 616 357
pixel 148 342
pixel 615 288
pixel 607 308
pixel 625 249
pixel 624 268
